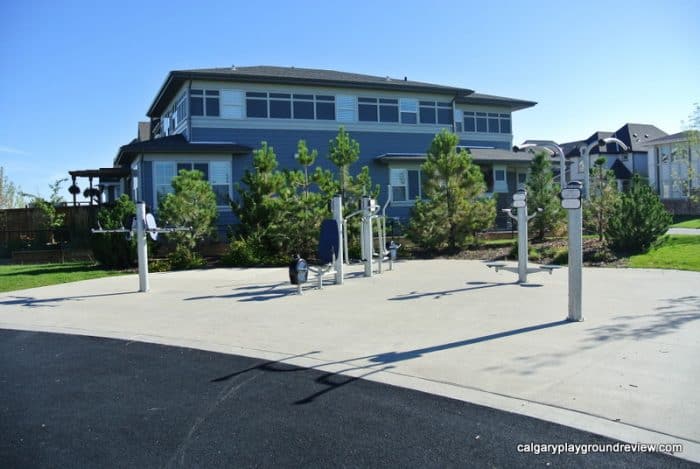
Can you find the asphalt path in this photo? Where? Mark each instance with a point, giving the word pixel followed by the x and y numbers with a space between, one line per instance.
pixel 76 401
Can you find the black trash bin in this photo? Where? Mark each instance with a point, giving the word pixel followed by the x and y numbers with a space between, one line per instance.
pixel 298 271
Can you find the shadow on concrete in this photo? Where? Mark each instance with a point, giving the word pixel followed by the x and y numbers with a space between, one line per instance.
pixel 414 295
pixel 392 357
pixel 254 293
pixel 32 302
pixel 672 316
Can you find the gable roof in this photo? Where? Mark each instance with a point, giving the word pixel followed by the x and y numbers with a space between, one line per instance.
pixel 175 144
pixel 620 170
pixel 674 138
pixel 636 136
pixel 316 77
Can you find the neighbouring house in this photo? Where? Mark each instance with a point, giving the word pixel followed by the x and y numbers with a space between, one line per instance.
pixel 623 164
pixel 212 120
pixel 674 170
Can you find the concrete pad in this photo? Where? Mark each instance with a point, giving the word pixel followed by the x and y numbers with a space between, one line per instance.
pixel 455 328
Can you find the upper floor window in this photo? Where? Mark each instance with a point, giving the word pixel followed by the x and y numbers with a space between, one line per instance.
pixel 290 106
pixel 378 109
pixel 204 102
pixel 409 111
pixel 181 110
pixel 432 112
pixel 487 122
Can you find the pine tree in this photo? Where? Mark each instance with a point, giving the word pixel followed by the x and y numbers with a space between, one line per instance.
pixel 191 204
pixel 604 199
pixel 543 192
pixel 454 209
pixel 639 219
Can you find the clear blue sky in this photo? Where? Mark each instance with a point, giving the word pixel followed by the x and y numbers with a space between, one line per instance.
pixel 78 76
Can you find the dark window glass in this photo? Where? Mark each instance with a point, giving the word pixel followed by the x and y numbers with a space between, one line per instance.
pixel 409 118
pixel 481 124
pixel 413 178
pixel 500 175
pixel 480 113
pixel 196 92
pixel 469 125
pixel 427 115
pixel 212 92
pixel 445 116
pixel 252 94
pixel 181 166
pixel 204 169
pixel 213 106
pixel 256 108
pixel 325 98
pixel 304 96
pixel 280 95
pixel 388 101
pixel 507 116
pixel 367 112
pixel 444 105
pixel 505 126
pixel 493 125
pixel 325 111
pixel 303 109
pixel 366 100
pixel 280 109
pixel 389 112
pixel 427 103
pixel 196 106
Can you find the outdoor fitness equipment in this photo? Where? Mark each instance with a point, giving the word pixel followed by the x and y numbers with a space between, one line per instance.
pixel 330 251
pixel 370 212
pixel 142 224
pixel 520 203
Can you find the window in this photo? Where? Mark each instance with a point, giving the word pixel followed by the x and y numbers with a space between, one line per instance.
pixel 164 172
pixel 388 110
pixel 288 106
pixel 481 122
pixel 345 111
pixel 280 106
pixel 217 173
pixel 256 104
pixel 505 123
pixel 220 180
pixel 367 110
pixel 459 120
pixel 204 102
pixel 303 105
pixel 405 184
pixel 409 111
pixel 469 122
pixel 500 184
pixel 493 123
pixel 181 110
pixel 232 104
pixel 432 112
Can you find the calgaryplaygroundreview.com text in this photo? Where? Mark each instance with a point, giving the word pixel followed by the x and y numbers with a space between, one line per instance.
pixel 585 448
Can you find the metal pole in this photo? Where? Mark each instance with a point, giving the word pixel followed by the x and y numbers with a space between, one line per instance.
pixel 142 247
pixel 368 243
pixel 575 264
pixel 338 215
pixel 587 173
pixel 522 244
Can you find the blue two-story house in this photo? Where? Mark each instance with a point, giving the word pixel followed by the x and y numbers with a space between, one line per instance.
pixel 212 120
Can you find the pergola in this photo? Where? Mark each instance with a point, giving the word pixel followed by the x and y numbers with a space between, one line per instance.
pixel 103 174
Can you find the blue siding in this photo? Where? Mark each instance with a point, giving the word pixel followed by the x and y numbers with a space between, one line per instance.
pixel 147 183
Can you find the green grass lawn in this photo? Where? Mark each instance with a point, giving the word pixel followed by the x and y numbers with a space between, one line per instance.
pixel 673 252
pixel 693 223
pixel 19 277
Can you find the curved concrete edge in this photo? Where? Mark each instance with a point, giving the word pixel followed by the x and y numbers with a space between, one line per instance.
pixel 563 416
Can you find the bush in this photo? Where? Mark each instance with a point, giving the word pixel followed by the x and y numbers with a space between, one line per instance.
pixel 639 219
pixel 113 250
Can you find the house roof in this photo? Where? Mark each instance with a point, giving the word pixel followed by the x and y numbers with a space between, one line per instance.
pixel 479 155
pixel 620 170
pixel 487 99
pixel 637 136
pixel 316 77
pixel 673 138
pixel 174 144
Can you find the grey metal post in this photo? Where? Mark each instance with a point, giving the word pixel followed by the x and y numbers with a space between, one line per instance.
pixel 575 264
pixel 142 246
pixel 337 207
pixel 522 244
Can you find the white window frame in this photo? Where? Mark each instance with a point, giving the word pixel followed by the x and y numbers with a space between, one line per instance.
pixel 203 96
pixel 173 165
pixel 408 106
pixel 500 185
pixel 395 170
